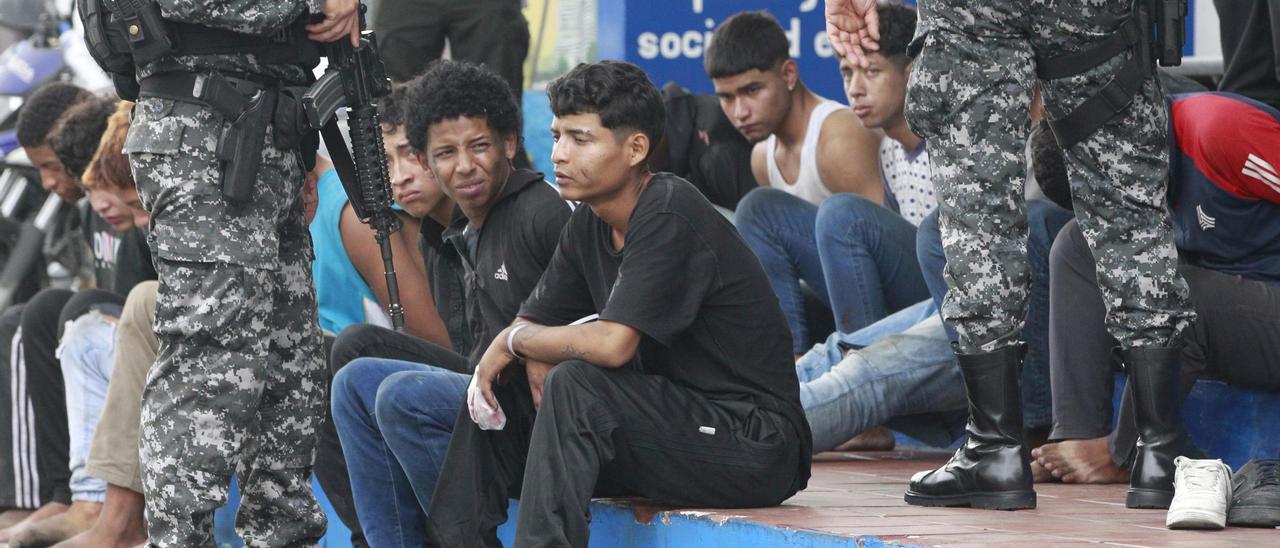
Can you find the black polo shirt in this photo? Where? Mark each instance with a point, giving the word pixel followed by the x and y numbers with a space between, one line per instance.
pixel 478 295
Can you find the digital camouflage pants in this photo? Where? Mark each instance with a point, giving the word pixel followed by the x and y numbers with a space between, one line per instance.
pixel 968 95
pixel 238 385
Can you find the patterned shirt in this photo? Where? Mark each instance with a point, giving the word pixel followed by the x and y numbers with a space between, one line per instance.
pixel 906 180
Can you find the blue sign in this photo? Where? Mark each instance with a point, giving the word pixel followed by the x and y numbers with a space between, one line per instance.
pixel 668 37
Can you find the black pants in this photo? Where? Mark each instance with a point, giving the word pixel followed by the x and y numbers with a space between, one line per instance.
pixel 494 33
pixel 366 341
pixel 1250 34
pixel 1236 338
pixel 635 433
pixel 39 413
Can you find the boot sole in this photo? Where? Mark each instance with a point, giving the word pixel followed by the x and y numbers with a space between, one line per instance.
pixel 1254 516
pixel 1148 498
pixel 1001 500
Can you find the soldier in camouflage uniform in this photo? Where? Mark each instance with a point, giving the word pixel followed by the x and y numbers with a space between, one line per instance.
pixel 239 382
pixel 968 95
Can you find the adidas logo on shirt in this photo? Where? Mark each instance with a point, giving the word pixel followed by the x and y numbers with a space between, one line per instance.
pixel 1206 222
pixel 501 274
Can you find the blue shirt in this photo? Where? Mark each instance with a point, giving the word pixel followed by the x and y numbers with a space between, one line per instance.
pixel 341 294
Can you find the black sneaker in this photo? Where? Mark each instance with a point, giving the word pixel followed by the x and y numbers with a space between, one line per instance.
pixel 1255 500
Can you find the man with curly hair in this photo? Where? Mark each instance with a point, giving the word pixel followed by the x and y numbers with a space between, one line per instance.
pixel 396 397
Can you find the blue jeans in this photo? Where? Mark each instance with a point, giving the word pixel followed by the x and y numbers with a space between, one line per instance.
pixel 395 419
pixel 857 256
pixel 87 355
pixel 1044 221
pixel 901 366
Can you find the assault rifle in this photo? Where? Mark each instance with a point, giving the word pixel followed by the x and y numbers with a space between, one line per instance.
pixel 356 79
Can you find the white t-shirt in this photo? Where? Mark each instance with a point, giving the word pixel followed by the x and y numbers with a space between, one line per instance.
pixel 906 178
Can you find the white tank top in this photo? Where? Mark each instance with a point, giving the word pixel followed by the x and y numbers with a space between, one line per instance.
pixel 808 185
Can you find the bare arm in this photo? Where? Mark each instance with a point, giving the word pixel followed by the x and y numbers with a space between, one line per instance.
pixel 602 343
pixel 760 164
pixel 421 317
pixel 848 157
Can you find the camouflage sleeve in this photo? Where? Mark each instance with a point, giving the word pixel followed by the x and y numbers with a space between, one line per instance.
pixel 247 16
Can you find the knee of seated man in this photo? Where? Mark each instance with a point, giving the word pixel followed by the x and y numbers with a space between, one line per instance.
pixel 569 377
pixel 400 393
pixel 348 345
pixel 91 334
pixel 843 211
pixel 348 379
pixel 45 306
pixel 1066 246
pixel 754 208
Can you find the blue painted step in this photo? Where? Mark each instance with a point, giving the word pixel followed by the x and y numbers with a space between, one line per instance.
pixel 1231 423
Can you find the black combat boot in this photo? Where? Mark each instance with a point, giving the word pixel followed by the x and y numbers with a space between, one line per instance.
pixel 1155 375
pixel 991 470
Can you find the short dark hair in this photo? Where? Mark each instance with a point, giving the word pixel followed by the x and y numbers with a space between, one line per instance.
pixel 43 108
pixel 455 89
pixel 391 107
pixel 1049 165
pixel 897 28
pixel 747 40
pixel 620 93
pixel 76 134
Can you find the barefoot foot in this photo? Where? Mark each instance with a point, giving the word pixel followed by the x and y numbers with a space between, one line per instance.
pixel 876 438
pixel 11 517
pixel 47 511
pixel 78 518
pixel 120 524
pixel 1080 461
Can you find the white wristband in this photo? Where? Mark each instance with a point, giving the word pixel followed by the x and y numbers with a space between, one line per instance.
pixel 511 339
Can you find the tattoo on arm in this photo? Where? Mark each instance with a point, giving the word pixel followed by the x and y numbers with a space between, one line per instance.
pixel 572 353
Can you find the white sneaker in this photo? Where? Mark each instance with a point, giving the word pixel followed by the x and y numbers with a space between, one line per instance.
pixel 1201 494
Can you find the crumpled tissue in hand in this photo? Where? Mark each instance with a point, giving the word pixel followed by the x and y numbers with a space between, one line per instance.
pixel 486 417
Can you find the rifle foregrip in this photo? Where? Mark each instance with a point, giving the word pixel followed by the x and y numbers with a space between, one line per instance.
pixel 369 155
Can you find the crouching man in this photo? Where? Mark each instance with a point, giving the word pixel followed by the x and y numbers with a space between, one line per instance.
pixel 683 391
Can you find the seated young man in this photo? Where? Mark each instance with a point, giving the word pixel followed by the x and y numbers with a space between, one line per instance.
pixel 348 264
pixel 65 380
pixel 900 371
pixel 683 391
pixel 29 479
pixel 395 398
pixel 352 241
pixel 1225 203
pixel 807 149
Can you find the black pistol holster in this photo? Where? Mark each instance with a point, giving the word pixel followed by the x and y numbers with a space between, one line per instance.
pixel 123 35
pixel 1153 33
pixel 248 106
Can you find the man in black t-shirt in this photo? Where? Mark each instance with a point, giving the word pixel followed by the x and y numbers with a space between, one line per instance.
pixel 683 391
